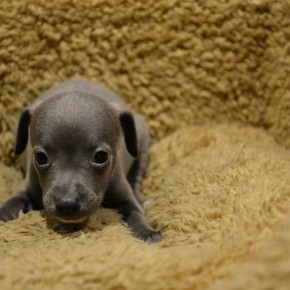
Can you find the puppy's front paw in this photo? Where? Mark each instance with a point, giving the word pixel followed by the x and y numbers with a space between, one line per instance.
pixel 154 237
pixel 8 213
pixel 10 209
pixel 150 236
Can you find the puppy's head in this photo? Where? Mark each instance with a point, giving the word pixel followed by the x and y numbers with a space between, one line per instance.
pixel 75 138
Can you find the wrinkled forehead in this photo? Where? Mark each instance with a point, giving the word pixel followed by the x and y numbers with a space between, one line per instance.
pixel 74 120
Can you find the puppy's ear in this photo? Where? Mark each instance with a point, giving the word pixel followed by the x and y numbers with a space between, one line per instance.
pixel 130 134
pixel 22 132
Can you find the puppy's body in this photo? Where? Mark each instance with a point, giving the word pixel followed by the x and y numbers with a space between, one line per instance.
pixel 81 153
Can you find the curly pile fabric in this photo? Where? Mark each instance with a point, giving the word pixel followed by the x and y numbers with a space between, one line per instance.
pixel 212 80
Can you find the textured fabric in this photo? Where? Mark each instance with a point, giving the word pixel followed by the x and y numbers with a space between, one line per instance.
pixel 212 80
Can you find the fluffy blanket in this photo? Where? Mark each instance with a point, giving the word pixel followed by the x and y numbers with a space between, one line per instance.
pixel 212 80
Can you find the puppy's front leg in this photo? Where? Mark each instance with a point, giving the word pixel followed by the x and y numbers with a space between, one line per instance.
pixel 121 197
pixel 19 202
pixel 139 225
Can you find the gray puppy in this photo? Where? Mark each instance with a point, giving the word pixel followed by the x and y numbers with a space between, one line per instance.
pixel 82 148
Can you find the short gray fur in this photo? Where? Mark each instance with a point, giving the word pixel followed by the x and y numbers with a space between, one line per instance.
pixel 67 125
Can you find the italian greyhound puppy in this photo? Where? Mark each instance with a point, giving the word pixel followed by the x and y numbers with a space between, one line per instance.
pixel 82 148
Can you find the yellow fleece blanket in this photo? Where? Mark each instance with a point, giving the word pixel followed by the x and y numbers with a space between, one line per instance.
pixel 212 80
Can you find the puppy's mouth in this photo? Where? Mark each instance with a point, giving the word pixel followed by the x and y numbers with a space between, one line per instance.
pixel 72 221
pixel 69 216
pixel 69 212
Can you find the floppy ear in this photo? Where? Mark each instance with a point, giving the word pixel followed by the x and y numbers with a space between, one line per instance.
pixel 130 134
pixel 22 132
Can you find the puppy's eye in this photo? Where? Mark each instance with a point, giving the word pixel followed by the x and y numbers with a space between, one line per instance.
pixel 41 158
pixel 100 157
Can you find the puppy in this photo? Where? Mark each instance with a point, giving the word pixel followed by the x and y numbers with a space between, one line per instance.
pixel 82 148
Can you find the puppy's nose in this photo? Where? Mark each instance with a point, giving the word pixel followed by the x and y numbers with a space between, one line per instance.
pixel 67 205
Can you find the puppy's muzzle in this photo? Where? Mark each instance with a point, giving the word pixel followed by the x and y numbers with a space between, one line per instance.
pixel 68 209
pixel 67 205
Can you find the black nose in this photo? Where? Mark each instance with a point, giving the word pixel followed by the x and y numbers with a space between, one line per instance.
pixel 67 205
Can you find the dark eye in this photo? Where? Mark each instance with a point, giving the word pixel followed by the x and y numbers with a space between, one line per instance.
pixel 100 157
pixel 41 158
